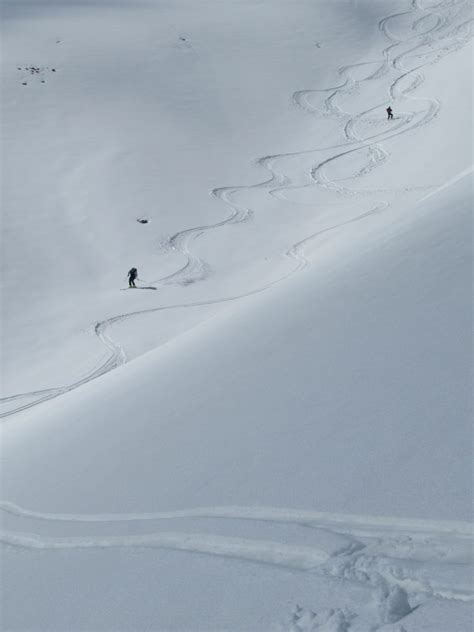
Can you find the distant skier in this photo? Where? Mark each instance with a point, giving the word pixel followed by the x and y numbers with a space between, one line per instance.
pixel 389 113
pixel 132 275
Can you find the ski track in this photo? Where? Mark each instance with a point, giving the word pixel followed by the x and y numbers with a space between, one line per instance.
pixel 436 19
pixel 401 561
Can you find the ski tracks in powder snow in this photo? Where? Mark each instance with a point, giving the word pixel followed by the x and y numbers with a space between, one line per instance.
pixel 402 562
pixel 436 30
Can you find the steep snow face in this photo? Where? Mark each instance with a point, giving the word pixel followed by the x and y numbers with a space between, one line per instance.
pixel 273 464
pixel 161 115
pixel 144 110
pixel 293 452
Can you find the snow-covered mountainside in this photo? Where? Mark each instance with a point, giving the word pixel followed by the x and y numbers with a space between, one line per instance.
pixel 274 431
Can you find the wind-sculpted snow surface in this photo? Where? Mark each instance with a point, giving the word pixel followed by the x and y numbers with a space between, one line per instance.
pixel 429 32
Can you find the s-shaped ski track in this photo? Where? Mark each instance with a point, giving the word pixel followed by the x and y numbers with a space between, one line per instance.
pixel 439 19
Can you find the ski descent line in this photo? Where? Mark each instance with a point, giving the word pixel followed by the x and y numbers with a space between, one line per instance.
pixel 433 34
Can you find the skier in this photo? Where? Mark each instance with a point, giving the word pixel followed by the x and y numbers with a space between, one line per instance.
pixel 132 275
pixel 389 113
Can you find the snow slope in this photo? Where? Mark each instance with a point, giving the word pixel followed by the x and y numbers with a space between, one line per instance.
pixel 293 451
pixel 136 122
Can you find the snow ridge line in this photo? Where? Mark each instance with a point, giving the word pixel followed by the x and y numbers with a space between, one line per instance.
pixel 196 269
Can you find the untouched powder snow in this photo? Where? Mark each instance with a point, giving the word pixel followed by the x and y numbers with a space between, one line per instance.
pixel 275 434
